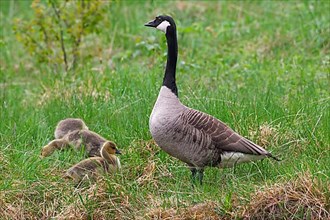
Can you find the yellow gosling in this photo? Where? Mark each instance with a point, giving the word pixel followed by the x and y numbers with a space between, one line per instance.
pixel 68 125
pixel 77 139
pixel 92 167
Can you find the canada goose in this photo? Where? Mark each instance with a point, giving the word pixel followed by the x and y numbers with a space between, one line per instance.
pixel 91 167
pixel 78 138
pixel 193 137
pixel 68 125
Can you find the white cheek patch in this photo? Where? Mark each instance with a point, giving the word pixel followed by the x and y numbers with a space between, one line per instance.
pixel 118 163
pixel 163 26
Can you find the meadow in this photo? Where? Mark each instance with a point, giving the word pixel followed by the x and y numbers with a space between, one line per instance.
pixel 261 67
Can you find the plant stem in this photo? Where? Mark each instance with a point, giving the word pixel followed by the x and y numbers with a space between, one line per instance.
pixel 61 35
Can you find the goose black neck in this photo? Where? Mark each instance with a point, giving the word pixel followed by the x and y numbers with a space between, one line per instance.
pixel 172 56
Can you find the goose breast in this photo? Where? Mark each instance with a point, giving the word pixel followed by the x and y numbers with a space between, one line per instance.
pixel 171 131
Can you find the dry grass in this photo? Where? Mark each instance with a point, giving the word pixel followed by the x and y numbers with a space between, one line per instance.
pixel 76 88
pixel 300 198
pixel 97 201
pixel 206 210
pixel 148 173
pixel 78 209
pixel 276 137
pixel 3 159
pixel 266 134
pixel 12 211
pixel 266 46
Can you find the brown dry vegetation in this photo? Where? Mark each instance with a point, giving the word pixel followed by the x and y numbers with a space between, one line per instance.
pixel 303 197
pixel 206 210
pixel 266 134
pixel 75 88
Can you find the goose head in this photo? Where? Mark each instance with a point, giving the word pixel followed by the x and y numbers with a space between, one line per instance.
pixel 108 152
pixel 164 23
pixel 109 148
pixel 52 146
pixel 47 150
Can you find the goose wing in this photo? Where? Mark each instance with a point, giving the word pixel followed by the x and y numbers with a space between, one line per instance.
pixel 223 137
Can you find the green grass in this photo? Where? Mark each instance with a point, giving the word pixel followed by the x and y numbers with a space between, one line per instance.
pixel 250 64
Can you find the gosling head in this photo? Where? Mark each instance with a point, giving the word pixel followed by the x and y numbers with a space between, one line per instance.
pixel 164 23
pixel 47 150
pixel 110 148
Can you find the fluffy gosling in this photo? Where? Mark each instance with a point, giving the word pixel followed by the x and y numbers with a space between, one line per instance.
pixel 68 125
pixel 76 139
pixel 92 167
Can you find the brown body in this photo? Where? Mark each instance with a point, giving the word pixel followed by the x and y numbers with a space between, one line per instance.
pixel 77 139
pixel 74 133
pixel 92 167
pixel 68 125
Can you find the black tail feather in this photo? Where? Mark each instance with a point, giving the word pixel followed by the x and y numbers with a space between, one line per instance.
pixel 273 157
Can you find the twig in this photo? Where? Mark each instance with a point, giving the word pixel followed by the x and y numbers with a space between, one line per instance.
pixel 33 40
pixel 61 34
pixel 78 41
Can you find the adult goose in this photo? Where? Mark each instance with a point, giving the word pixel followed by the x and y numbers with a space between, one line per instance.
pixel 193 137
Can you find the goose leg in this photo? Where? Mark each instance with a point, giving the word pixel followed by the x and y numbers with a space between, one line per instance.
pixel 193 175
pixel 197 172
pixel 200 176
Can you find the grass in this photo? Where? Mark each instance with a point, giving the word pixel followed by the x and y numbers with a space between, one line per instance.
pixel 261 67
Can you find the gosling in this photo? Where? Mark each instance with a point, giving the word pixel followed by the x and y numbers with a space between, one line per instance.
pixel 68 125
pixel 92 167
pixel 76 139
